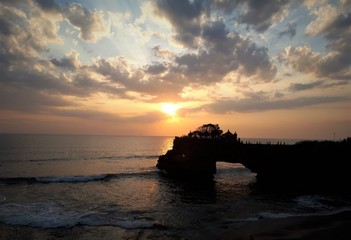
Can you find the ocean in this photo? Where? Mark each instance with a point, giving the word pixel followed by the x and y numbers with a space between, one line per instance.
pixel 107 187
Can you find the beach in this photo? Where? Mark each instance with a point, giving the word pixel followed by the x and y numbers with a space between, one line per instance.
pixel 335 226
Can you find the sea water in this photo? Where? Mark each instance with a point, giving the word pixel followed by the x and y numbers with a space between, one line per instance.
pixel 87 187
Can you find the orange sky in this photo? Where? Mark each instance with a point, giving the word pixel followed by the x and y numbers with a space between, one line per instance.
pixel 261 68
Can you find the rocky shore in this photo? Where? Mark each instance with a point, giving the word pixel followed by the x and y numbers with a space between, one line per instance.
pixel 310 162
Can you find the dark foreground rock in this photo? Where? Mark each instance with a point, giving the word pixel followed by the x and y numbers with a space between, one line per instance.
pixel 310 162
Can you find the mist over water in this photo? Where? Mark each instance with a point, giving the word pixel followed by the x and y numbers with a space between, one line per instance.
pixel 53 182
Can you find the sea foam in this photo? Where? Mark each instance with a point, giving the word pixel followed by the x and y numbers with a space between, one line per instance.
pixel 53 215
pixel 72 178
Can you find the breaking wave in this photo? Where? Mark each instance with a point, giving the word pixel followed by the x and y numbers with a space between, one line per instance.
pixel 83 158
pixel 72 179
pixel 52 215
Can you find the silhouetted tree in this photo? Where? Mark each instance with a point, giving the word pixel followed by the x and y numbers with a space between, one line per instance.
pixel 209 131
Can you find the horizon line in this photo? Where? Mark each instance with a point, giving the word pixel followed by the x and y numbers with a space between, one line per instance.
pixel 123 135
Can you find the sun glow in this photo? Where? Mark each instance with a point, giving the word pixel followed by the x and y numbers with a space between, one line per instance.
pixel 170 109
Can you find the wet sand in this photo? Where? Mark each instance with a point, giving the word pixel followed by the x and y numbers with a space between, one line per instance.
pixel 330 227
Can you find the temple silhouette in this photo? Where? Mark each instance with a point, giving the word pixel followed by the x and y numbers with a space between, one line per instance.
pixel 194 156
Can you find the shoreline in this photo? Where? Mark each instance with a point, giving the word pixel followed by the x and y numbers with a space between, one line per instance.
pixel 322 227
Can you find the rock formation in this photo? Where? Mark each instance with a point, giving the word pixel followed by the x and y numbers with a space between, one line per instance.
pixel 195 156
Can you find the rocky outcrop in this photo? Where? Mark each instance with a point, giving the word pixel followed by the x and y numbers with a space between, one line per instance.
pixel 194 157
pixel 320 162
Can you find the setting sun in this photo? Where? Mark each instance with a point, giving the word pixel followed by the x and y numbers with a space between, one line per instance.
pixel 170 108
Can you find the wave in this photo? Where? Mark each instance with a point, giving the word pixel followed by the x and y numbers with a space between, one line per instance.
pixel 2 199
pixel 307 205
pixel 82 158
pixel 52 215
pixel 315 202
pixel 73 179
pixel 282 215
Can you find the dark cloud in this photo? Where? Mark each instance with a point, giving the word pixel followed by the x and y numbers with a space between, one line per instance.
pixel 295 87
pixel 5 28
pixel 30 82
pixel 227 52
pixel 335 64
pixel 116 70
pixel 185 17
pixel 89 23
pixel 26 99
pixel 49 5
pixel 205 67
pixel 226 6
pixel 156 68
pixel 189 18
pixel 290 31
pixel 162 53
pixel 223 51
pixel 346 3
pixel 18 37
pixel 262 14
pixel 252 105
pixel 131 79
pixel 84 85
pixel 35 75
pixel 339 36
pixel 70 62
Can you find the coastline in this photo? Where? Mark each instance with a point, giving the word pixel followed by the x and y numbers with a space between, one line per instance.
pixel 322 227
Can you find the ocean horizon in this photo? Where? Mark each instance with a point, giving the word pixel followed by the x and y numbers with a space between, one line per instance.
pixel 244 139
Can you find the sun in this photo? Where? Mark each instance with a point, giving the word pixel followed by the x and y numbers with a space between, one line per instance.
pixel 170 109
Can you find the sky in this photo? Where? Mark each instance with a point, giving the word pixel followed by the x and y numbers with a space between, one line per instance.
pixel 265 69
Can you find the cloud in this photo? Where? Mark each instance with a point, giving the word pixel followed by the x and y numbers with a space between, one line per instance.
pixel 226 52
pixel 295 87
pixel 214 52
pixel 263 14
pixel 130 78
pixel 116 69
pixel 26 99
pixel 162 53
pixel 22 36
pixel 69 62
pixel 335 64
pixel 301 58
pixel 290 31
pixel 260 15
pixel 219 51
pixel 346 3
pixel 91 24
pixel 89 114
pixel 325 16
pixel 189 18
pixel 49 5
pixel 155 68
pixel 27 28
pixel 252 105
pixel 185 17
